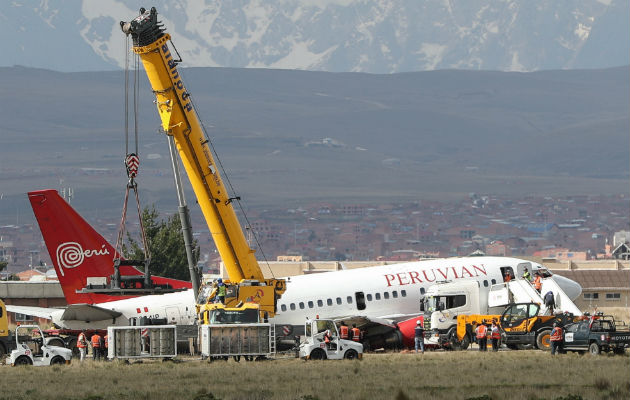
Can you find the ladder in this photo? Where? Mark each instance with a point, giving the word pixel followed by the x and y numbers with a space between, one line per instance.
pixel 272 339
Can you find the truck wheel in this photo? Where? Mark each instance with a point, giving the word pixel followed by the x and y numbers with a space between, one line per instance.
pixel 23 360
pixel 3 352
pixel 465 343
pixel 351 355
pixel 594 349
pixel 57 360
pixel 56 342
pixel 542 340
pixel 318 354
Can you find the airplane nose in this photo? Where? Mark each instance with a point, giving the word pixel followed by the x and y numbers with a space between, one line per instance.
pixel 570 287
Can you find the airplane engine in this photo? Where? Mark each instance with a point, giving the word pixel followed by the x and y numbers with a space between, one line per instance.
pixel 407 330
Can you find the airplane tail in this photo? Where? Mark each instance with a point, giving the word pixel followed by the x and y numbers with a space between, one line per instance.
pixel 77 250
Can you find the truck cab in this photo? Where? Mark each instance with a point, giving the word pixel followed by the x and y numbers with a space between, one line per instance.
pixel 313 345
pixel 6 337
pixel 443 303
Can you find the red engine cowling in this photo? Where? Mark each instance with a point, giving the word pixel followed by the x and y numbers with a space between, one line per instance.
pixel 407 330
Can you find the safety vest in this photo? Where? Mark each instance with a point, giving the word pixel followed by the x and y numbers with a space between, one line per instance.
pixel 482 331
pixel 527 276
pixel 96 339
pixel 221 291
pixel 106 341
pixel 508 277
pixel 81 342
pixel 343 332
pixel 495 333
pixel 326 338
pixel 356 334
pixel 556 334
pixel 537 283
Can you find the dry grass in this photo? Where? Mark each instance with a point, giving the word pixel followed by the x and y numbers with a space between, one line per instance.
pixel 435 375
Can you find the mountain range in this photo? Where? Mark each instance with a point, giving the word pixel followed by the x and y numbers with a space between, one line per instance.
pixel 374 36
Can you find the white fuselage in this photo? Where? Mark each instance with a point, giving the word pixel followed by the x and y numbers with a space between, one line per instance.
pixel 391 292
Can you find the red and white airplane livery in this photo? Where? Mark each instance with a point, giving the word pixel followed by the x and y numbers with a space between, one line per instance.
pixel 384 300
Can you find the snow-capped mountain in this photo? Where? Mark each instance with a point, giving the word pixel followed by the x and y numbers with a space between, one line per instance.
pixel 375 36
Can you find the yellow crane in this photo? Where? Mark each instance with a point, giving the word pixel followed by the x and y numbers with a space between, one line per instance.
pixel 247 283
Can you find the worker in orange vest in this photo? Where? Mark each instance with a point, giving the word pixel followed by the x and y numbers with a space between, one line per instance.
pixel 96 346
pixel 343 331
pixel 356 333
pixel 482 335
pixel 556 339
pixel 538 282
pixel 495 335
pixel 82 344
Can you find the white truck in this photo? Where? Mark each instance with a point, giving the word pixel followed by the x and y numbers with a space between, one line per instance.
pixel 42 353
pixel 443 303
pixel 314 347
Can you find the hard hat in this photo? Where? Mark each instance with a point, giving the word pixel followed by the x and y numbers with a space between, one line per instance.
pixel 219 280
pixel 418 322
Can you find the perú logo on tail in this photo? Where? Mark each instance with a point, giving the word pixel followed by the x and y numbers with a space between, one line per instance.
pixel 71 255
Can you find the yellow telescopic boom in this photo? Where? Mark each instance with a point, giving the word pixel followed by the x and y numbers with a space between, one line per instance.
pixel 179 120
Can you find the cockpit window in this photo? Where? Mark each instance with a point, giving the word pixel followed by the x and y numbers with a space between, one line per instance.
pixel 543 271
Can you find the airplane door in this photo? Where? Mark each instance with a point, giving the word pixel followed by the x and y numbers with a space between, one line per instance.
pixel 172 315
pixel 360 299
pixel 520 268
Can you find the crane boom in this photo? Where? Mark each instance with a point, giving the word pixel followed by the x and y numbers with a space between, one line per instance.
pixel 180 120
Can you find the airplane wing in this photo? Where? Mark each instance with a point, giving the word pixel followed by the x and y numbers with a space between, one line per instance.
pixel 73 312
pixel 88 313
pixel 39 312
pixel 365 322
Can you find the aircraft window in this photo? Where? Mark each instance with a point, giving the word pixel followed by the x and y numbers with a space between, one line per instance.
pixel 329 302
pixel 386 295
pixel 422 291
pixel 369 297
pixel 494 281
pixel 485 283
pixel 310 304
pixel 395 294
pixel 377 296
pixel 320 303
pixel 292 306
pixel 403 292
pixel 301 305
pixel 349 299
pixel 338 300
pixel 360 300
pixel 283 307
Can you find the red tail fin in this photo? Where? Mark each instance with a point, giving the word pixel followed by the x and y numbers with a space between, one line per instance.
pixel 77 250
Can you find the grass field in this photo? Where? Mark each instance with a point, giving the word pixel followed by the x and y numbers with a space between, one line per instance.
pixel 434 375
